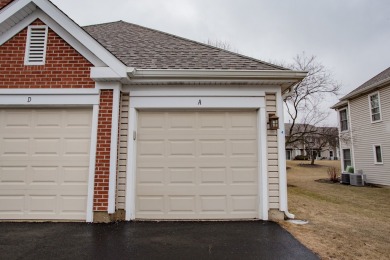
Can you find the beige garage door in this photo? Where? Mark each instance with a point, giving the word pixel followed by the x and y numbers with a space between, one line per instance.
pixel 44 156
pixel 197 165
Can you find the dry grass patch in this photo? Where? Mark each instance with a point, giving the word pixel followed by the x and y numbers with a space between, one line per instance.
pixel 345 222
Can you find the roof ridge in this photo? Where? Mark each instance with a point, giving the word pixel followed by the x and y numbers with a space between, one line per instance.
pixel 196 42
pixel 90 25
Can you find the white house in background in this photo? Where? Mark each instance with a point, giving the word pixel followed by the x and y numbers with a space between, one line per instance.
pixel 364 123
pixel 325 152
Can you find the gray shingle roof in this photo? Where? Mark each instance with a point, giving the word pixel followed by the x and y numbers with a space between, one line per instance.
pixel 378 78
pixel 145 48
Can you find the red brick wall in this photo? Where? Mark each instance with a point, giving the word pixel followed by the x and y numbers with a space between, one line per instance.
pixel 3 3
pixel 102 170
pixel 64 68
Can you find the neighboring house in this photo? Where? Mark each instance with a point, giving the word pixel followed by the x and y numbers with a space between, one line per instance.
pixel 120 121
pixel 322 142
pixel 364 118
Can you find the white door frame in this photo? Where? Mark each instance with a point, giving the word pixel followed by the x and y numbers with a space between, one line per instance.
pixel 198 103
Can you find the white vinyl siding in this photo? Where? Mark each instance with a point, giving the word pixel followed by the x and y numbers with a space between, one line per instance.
pixel 343 120
pixel 375 108
pixel 122 152
pixel 36 45
pixel 272 149
pixel 366 134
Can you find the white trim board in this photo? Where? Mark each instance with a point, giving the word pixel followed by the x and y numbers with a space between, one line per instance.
pixel 49 91
pixel 52 99
pixel 195 91
pixel 192 103
pixel 113 150
pixel 131 165
pixel 263 164
pixel 196 102
pixel 92 163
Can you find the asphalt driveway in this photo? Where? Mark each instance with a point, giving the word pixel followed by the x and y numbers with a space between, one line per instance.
pixel 150 240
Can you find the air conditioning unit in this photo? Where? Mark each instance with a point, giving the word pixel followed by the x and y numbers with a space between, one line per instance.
pixel 345 178
pixel 357 179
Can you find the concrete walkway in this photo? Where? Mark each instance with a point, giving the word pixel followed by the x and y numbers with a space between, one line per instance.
pixel 150 240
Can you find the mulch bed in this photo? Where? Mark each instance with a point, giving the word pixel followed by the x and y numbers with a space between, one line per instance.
pixel 327 181
pixel 307 165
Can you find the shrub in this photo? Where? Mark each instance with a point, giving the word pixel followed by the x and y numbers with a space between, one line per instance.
pixel 301 158
pixel 350 169
pixel 333 174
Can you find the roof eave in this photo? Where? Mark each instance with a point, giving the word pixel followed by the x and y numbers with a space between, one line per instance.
pixel 286 77
pixel 340 104
pixel 366 89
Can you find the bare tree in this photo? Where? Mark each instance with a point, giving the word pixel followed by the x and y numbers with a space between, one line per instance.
pixel 323 137
pixel 304 102
pixel 222 45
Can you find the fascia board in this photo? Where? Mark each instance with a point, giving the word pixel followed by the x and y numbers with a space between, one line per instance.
pixel 65 35
pixel 366 89
pixel 12 9
pixel 286 79
pixel 339 104
pixel 103 73
pixel 82 36
pixel 223 74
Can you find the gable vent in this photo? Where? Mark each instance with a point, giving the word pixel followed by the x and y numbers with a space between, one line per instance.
pixel 36 45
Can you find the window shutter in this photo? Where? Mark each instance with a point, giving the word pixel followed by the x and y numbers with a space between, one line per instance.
pixel 36 45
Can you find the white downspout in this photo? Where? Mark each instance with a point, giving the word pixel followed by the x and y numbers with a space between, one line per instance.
pixel 283 205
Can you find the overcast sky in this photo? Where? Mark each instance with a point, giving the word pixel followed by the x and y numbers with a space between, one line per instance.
pixel 350 37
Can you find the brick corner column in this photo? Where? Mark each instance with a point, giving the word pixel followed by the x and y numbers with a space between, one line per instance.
pixel 102 168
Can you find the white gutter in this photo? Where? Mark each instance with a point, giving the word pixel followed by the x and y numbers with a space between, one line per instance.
pixel 205 73
pixel 339 104
pixel 287 78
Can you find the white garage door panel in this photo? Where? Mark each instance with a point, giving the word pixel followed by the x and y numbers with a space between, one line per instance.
pixel 44 163
pixel 197 165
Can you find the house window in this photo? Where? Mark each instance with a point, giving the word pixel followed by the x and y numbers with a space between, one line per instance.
pixel 343 120
pixel 330 153
pixel 378 154
pixel 288 155
pixel 36 45
pixel 347 158
pixel 375 107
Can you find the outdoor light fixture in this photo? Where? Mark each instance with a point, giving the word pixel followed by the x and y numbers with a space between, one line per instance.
pixel 273 122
